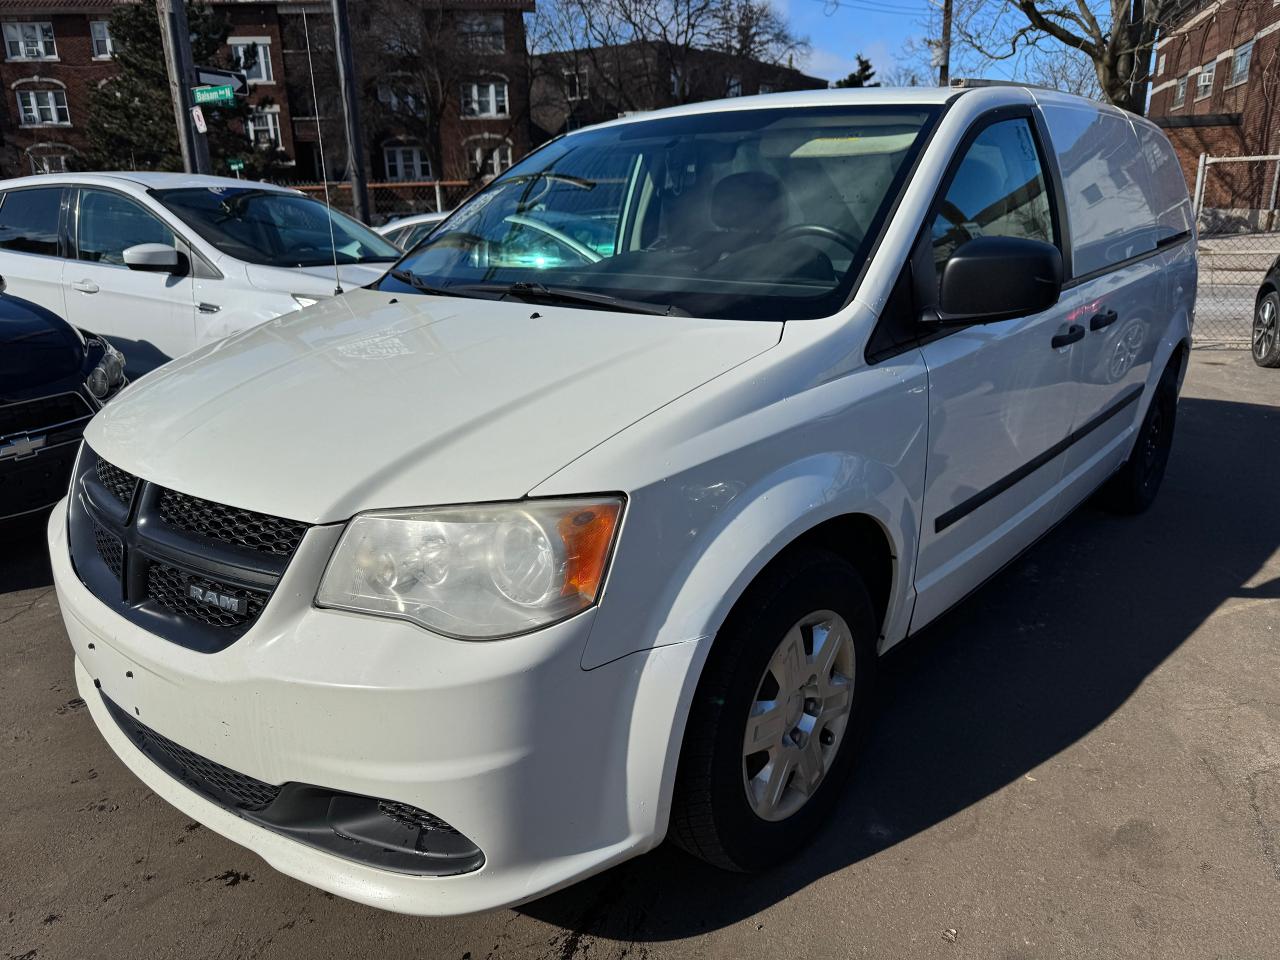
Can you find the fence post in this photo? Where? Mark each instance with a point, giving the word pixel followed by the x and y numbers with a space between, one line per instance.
pixel 440 201
pixel 1271 208
pixel 1198 198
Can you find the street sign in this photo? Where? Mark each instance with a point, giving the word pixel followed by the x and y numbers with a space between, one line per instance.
pixel 197 117
pixel 235 164
pixel 221 94
pixel 213 77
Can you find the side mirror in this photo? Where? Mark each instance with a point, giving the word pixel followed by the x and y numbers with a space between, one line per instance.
pixel 151 258
pixel 999 278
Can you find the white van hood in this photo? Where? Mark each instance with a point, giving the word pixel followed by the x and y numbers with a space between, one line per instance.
pixel 370 401
pixel 314 279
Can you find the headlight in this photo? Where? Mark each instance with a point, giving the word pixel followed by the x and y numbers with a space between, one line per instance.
pixel 480 572
pixel 108 374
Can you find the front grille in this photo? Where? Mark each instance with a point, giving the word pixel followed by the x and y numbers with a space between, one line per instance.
pixel 119 484
pixel 110 549
pixel 413 818
pixel 170 587
pixel 244 792
pixel 242 528
pixel 33 416
pixel 145 559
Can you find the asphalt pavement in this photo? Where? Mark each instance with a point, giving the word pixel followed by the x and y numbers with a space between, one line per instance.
pixel 1082 760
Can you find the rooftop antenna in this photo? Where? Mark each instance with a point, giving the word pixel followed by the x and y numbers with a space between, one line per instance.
pixel 324 173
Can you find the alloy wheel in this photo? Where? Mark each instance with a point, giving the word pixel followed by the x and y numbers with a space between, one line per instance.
pixel 798 716
pixel 1264 329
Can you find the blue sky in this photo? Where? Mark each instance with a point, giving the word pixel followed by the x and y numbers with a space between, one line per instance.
pixel 877 29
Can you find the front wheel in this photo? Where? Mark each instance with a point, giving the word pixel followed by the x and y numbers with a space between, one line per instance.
pixel 1266 331
pixel 778 714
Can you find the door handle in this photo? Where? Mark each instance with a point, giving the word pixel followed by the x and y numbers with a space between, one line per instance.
pixel 1074 332
pixel 1104 319
pixel 85 286
pixel 208 308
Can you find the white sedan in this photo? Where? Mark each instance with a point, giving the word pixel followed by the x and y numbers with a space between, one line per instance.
pixel 407 231
pixel 161 263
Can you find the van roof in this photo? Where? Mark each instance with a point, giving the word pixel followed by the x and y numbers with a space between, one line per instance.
pixel 863 96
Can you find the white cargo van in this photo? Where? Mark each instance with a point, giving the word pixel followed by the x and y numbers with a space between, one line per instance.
pixel 586 525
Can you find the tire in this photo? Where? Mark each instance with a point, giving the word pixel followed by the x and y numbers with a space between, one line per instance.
pixel 713 817
pixel 1134 487
pixel 1266 331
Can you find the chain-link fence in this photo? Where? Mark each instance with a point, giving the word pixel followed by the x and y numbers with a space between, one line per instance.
pixel 393 199
pixel 1235 201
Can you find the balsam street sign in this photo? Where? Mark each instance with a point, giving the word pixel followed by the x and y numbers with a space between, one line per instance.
pixel 221 94
pixel 235 165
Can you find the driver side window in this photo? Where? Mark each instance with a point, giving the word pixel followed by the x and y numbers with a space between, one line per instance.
pixel 108 224
pixel 999 190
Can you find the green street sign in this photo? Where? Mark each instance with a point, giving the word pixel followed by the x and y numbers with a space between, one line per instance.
pixel 221 94
pixel 235 165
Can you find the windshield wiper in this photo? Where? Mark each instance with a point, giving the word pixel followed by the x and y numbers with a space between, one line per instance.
pixel 539 293
pixel 415 281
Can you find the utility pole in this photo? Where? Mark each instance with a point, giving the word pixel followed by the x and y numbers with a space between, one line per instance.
pixel 351 110
pixel 944 46
pixel 176 37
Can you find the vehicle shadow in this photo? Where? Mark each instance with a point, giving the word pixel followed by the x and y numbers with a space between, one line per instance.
pixel 24 556
pixel 1033 662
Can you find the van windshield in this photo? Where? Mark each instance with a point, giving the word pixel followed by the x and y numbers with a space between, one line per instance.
pixel 742 214
pixel 274 228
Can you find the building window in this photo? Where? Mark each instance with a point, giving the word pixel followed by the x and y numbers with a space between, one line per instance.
pixel 482 32
pixel 101 32
pixel 48 163
pixel 489 158
pixel 406 163
pixel 40 107
pixel 1204 82
pixel 733 86
pixel 487 98
pixel 397 100
pixel 263 128
pixel 1240 64
pixel 1180 92
pixel 1160 65
pixel 254 58
pixel 575 84
pixel 30 41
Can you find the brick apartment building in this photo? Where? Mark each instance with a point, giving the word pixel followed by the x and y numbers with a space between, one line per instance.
pixel 582 87
pixel 1215 90
pixel 56 53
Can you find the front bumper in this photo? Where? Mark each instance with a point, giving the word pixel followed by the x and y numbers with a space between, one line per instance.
pixel 554 772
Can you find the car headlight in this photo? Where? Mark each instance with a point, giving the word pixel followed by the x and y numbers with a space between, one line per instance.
pixel 478 572
pixel 108 374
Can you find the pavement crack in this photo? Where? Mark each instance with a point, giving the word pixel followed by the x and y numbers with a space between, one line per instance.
pixel 1267 831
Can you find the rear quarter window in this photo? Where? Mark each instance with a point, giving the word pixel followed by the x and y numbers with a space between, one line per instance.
pixel 1106 182
pixel 1168 189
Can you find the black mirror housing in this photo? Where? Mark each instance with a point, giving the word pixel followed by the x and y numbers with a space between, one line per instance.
pixel 999 278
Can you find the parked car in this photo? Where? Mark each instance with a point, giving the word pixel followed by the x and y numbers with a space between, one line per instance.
pixel 406 232
pixel 161 263
pixel 53 378
pixel 1266 327
pixel 494 574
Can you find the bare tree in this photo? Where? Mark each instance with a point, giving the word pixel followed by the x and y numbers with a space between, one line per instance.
pixel 1117 39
